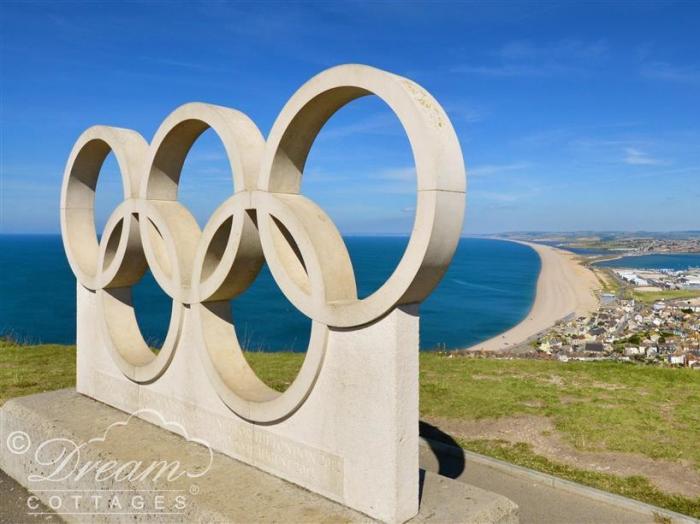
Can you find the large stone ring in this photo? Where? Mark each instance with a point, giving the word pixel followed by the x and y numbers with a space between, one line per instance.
pixel 265 220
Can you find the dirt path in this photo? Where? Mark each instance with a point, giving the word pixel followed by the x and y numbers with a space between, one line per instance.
pixel 678 477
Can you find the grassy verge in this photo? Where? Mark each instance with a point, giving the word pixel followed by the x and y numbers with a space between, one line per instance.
pixel 595 406
pixel 634 487
pixel 608 282
pixel 32 369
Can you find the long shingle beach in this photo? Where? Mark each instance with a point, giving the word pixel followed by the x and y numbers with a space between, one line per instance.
pixel 564 287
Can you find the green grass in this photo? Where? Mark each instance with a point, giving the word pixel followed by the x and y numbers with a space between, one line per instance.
pixel 32 369
pixel 278 370
pixel 635 486
pixel 674 294
pixel 595 406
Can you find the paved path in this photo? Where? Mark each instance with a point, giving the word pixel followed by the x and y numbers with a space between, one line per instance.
pixel 13 504
pixel 539 503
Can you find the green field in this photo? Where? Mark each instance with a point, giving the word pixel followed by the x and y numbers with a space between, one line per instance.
pixel 593 406
pixel 31 369
pixel 672 294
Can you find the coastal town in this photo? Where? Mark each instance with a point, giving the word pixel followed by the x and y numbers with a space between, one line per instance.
pixel 616 243
pixel 630 330
pixel 651 316
pixel 637 246
pixel 640 315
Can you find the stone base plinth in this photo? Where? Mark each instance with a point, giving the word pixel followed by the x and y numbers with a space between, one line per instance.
pixel 91 462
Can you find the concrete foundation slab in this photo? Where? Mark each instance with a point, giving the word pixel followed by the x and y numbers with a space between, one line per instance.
pixel 90 462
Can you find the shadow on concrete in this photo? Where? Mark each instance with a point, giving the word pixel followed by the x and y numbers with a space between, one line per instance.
pixel 421 482
pixel 446 449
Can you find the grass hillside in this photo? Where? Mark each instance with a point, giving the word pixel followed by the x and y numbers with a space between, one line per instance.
pixel 641 424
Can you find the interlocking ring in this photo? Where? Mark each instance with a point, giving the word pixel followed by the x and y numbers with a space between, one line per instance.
pixel 266 219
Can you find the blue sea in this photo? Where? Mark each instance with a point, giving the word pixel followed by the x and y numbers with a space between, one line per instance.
pixel 676 261
pixel 489 288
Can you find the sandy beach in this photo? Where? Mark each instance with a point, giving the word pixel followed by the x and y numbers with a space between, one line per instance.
pixel 564 287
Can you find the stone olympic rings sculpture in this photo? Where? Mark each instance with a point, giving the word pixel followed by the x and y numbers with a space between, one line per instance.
pixel 266 219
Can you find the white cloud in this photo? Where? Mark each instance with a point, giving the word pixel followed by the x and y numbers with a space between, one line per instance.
pixel 525 58
pixel 495 196
pixel 636 157
pixel 404 174
pixel 376 124
pixel 671 73
pixel 567 49
pixel 505 70
pixel 495 169
pixel 464 111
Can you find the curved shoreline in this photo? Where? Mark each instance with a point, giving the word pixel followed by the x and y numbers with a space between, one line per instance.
pixel 564 288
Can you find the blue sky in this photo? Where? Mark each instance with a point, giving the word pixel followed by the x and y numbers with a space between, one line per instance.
pixel 571 117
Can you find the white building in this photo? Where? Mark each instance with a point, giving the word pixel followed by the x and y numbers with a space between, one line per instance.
pixel 632 277
pixel 676 359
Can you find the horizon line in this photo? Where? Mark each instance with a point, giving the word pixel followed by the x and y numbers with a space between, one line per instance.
pixel 464 235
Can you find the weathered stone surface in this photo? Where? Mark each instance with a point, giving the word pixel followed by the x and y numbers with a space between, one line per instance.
pixel 226 491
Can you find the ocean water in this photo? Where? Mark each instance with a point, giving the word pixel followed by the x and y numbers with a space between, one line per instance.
pixel 489 288
pixel 676 262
